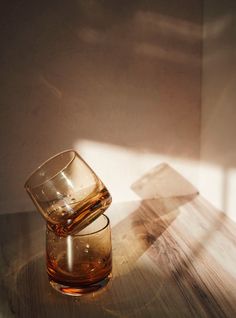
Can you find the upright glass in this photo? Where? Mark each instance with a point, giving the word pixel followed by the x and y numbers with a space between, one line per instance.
pixel 67 192
pixel 81 262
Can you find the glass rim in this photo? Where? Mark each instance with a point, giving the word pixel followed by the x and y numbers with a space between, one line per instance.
pixel 26 185
pixel 87 234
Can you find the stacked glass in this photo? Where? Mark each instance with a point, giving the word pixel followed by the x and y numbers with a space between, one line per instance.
pixel 72 199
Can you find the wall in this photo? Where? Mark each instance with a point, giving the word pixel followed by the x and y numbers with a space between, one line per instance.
pixel 119 81
pixel 218 127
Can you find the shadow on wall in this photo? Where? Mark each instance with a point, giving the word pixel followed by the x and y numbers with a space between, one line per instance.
pixel 122 84
pixel 95 72
pixel 124 73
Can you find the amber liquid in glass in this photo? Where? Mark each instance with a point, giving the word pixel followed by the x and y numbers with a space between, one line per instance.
pixel 78 274
pixel 77 214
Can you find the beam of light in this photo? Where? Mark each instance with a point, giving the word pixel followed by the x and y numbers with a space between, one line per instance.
pixel 70 184
pixel 230 197
pixel 119 167
pixel 211 178
pixel 69 253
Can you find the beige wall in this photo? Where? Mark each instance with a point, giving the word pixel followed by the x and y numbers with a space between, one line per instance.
pixel 117 80
pixel 218 147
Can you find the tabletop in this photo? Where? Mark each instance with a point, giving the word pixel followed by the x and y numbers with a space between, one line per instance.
pixel 174 255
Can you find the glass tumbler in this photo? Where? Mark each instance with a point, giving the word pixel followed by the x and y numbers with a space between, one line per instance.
pixel 82 262
pixel 67 192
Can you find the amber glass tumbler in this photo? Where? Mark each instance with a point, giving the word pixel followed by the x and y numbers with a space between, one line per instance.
pixel 67 192
pixel 82 262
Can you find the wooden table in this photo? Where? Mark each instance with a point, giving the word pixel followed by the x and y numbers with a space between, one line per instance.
pixel 174 255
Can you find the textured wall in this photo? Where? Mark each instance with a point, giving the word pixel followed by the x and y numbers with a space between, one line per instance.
pixel 218 148
pixel 122 74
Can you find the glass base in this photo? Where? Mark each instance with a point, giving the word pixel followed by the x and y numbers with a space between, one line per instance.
pixel 80 290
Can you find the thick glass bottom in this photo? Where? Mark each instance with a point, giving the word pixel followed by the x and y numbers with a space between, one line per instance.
pixel 80 290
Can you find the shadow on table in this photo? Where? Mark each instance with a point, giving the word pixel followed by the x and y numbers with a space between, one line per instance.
pixel 163 191
pixel 137 278
pixel 22 238
pixel 151 274
pixel 188 260
pixel 125 294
